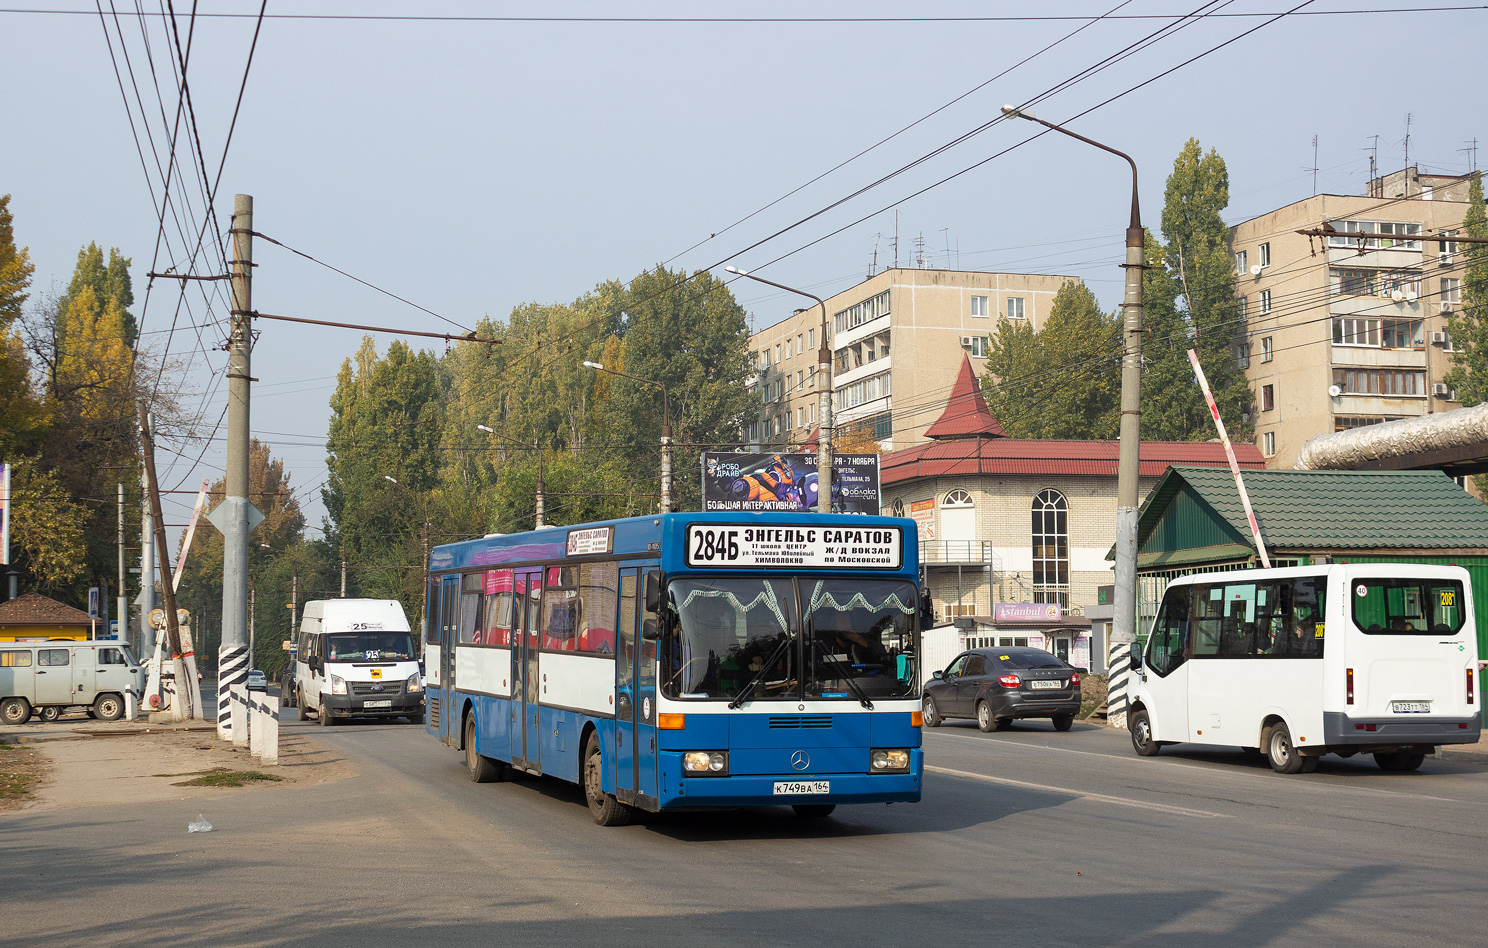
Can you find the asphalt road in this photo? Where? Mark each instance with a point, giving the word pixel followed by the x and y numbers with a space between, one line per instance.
pixel 1027 837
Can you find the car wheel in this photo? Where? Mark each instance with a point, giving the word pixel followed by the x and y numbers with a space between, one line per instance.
pixel 984 716
pixel 1280 753
pixel 606 810
pixel 51 714
pixel 929 713
pixel 15 711
pixel 1141 735
pixel 108 707
pixel 813 811
pixel 482 769
pixel 1063 722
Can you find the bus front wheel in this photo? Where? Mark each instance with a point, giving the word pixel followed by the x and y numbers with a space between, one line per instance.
pixel 482 769
pixel 1141 735
pixel 1280 753
pixel 606 810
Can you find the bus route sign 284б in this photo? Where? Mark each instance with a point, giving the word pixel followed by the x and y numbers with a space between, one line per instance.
pixel 752 546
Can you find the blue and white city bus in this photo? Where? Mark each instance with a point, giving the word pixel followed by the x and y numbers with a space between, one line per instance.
pixel 685 660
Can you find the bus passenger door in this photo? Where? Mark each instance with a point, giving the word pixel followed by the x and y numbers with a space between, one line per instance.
pixel 527 630
pixel 645 679
pixel 449 629
pixel 627 709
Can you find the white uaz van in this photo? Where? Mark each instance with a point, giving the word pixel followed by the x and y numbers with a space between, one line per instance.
pixel 356 658
pixel 50 677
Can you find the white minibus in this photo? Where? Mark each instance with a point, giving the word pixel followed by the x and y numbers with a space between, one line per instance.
pixel 356 658
pixel 1376 658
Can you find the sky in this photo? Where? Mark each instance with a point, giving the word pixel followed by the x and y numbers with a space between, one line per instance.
pixel 469 158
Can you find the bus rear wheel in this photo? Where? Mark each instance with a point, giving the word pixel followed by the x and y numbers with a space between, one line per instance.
pixel 1280 753
pixel 606 810
pixel 813 811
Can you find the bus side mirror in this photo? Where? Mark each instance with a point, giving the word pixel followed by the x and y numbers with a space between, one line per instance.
pixel 1136 656
pixel 653 591
pixel 649 630
pixel 927 609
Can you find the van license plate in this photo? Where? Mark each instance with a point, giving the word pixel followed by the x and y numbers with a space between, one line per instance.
pixel 1037 684
pixel 1411 707
pixel 384 703
pixel 790 788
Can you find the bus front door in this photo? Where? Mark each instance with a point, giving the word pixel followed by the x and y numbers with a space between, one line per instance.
pixel 449 629
pixel 526 635
pixel 635 691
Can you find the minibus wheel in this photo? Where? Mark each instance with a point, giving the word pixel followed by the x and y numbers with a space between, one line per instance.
pixel 1280 753
pixel 108 708
pixel 15 711
pixel 304 712
pixel 1141 735
pixel 1401 761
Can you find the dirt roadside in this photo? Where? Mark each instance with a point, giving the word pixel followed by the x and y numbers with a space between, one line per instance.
pixel 91 763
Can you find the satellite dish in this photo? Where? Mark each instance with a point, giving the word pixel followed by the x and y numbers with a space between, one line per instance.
pixel 1334 391
pixel 1255 271
pixel 1397 296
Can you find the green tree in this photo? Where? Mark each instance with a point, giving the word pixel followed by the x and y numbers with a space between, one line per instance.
pixel 1468 326
pixel 21 414
pixel 1063 381
pixel 47 525
pixel 1190 302
pixel 109 281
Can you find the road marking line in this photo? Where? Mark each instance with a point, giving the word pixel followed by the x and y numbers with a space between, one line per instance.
pixel 1099 797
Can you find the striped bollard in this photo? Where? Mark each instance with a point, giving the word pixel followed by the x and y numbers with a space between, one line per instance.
pixel 238 699
pixel 255 725
pixel 232 669
pixel 269 745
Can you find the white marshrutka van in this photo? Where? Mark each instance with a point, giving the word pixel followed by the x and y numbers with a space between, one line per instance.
pixel 1364 658
pixel 52 677
pixel 356 658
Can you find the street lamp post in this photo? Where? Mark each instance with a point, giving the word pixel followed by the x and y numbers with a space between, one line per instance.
pixel 824 406
pixel 1124 613
pixel 537 501
pixel 666 431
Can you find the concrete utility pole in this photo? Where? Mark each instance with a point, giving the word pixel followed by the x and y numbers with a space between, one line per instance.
pixel 1124 609
pixel 824 409
pixel 232 657
pixel 183 708
pixel 146 598
pixel 121 603
pixel 343 569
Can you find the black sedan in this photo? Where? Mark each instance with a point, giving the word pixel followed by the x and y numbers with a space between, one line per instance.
pixel 996 685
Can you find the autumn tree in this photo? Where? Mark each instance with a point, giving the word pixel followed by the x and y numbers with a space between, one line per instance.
pixel 21 415
pixel 1468 326
pixel 47 526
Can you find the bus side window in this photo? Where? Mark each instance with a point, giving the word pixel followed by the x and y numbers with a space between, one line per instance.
pixel 431 610
pixel 1169 639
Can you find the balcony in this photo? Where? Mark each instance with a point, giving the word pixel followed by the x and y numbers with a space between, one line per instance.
pixel 959 553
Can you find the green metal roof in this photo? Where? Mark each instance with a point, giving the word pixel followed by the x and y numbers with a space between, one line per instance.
pixel 1323 510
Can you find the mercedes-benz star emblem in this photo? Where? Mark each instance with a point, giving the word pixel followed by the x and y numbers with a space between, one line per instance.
pixel 800 760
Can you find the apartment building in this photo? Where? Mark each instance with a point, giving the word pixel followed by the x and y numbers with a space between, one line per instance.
pixel 897 341
pixel 1348 328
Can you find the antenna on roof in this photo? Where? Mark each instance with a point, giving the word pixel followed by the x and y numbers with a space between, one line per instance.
pixel 1314 168
pixel 896 240
pixel 1407 142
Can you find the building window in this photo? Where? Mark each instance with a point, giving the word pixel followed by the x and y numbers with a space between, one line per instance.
pixel 1385 284
pixel 1244 306
pixel 1267 352
pixel 1263 255
pixel 1051 548
pixel 1268 397
pixel 976 345
pixel 811 338
pixel 777 353
pixel 812 414
pixel 1375 235
pixel 1345 422
pixel 866 311
pixel 979 306
pixel 1379 333
pixel 1451 290
pixel 1265 302
pixel 1015 307
pixel 1241 350
pixel 1268 444
pixel 1395 382
pixel 1446 249
pixel 864 390
pixel 1241 264
pixel 957 498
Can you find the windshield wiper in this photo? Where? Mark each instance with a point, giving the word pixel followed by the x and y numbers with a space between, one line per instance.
pixel 848 680
pixel 759 676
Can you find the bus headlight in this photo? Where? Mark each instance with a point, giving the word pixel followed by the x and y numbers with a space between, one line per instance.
pixel 415 683
pixel 888 760
pixel 706 763
pixel 338 685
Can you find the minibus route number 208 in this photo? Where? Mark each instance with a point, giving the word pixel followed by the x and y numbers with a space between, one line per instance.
pixel 685 661
pixel 1371 658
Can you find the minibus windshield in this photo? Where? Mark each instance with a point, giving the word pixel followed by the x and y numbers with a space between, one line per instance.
pixel 369 647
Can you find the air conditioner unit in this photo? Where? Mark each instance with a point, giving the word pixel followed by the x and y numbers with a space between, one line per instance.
pixel 966 342
pixel 1255 271
pixel 1440 390
pixel 1444 308
pixel 1438 339
pixel 1443 257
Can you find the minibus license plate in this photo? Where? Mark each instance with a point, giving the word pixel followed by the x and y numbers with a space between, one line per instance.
pixel 789 788
pixel 1051 683
pixel 383 703
pixel 1411 707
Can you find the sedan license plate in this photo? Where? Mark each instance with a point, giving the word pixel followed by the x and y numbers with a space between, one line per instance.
pixel 1050 683
pixel 383 703
pixel 1411 707
pixel 791 788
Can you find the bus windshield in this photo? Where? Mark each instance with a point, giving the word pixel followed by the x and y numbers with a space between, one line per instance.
pixel 727 633
pixel 369 647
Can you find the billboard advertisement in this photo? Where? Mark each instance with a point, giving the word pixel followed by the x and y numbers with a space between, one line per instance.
pixel 779 481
